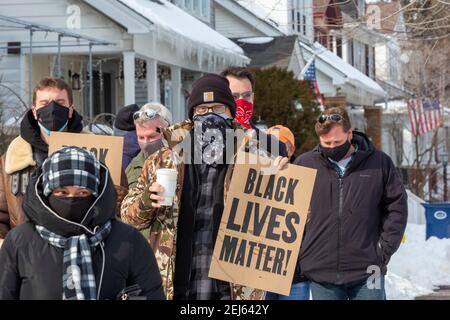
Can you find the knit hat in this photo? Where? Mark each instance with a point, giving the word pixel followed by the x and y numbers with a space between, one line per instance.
pixel 71 166
pixel 211 88
pixel 124 118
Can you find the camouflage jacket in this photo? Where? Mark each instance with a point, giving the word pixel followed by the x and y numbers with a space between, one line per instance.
pixel 137 210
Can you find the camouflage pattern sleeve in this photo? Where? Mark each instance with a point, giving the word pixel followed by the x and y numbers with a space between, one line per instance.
pixel 136 208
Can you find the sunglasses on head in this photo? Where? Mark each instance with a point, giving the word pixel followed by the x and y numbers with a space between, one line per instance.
pixel 330 117
pixel 149 114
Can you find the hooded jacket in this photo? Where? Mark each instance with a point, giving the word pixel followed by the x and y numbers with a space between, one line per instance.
pixel 32 268
pixel 23 154
pixel 356 221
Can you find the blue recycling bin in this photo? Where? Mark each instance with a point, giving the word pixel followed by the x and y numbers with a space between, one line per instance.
pixel 437 216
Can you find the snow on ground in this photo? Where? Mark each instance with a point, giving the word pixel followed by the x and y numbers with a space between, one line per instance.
pixel 418 266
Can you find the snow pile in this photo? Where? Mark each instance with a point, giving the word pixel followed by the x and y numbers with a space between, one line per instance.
pixel 419 266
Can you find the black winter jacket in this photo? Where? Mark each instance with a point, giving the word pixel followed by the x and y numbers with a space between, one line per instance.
pixel 356 221
pixel 32 268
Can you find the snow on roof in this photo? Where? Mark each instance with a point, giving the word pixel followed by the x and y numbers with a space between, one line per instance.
pixel 255 40
pixel 258 11
pixel 353 75
pixel 189 31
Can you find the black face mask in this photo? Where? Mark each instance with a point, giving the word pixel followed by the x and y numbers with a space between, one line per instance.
pixel 336 153
pixel 211 146
pixel 71 208
pixel 53 117
pixel 151 147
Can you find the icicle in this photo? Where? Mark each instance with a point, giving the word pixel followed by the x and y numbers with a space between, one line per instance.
pixel 200 57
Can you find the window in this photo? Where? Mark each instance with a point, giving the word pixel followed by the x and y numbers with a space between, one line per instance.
pixel 293 19
pixel 367 62
pixel 361 8
pixel 199 8
pixel 205 8
pixel 350 54
pixel 298 22
pixel 196 7
pixel 339 47
pixel 304 25
pixel 373 62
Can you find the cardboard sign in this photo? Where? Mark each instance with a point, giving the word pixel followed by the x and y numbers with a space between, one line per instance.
pixel 262 227
pixel 107 149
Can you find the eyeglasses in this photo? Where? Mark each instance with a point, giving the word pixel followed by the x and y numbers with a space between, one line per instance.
pixel 245 95
pixel 332 117
pixel 149 114
pixel 218 108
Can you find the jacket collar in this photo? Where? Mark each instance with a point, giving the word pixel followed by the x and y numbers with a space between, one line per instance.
pixel 30 131
pixel 38 211
pixel 18 156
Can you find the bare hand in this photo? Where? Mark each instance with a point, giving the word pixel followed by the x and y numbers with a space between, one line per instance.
pixel 281 162
pixel 154 189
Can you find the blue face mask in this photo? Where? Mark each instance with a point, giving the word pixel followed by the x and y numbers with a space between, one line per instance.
pixel 53 117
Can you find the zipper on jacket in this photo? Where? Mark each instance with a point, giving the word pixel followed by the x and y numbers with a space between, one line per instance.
pixel 341 201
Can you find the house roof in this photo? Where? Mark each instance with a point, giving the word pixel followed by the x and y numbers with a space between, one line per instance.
pixel 257 11
pixel 277 51
pixel 353 75
pixel 185 33
pixel 169 17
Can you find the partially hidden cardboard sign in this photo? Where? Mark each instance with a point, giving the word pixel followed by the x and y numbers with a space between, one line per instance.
pixel 262 227
pixel 107 149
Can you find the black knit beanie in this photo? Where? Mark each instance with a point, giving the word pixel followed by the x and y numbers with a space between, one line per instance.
pixel 124 118
pixel 211 88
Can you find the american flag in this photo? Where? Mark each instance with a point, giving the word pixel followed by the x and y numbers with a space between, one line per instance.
pixel 310 74
pixel 424 115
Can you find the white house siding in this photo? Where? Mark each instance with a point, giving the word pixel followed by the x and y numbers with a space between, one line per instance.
pixel 232 26
pixel 52 13
pixel 9 70
pixel 305 9
pixel 381 62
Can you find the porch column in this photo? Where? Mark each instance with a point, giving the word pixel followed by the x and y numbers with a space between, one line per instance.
pixel 152 80
pixel 128 76
pixel 177 107
pixel 373 117
pixel 334 44
pixel 344 45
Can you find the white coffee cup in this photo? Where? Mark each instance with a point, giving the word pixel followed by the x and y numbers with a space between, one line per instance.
pixel 167 178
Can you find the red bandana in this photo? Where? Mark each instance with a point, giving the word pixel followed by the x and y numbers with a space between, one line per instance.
pixel 244 112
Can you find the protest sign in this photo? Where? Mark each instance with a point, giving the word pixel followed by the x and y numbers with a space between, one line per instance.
pixel 107 149
pixel 262 227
